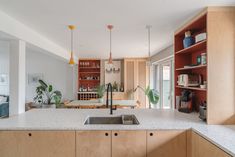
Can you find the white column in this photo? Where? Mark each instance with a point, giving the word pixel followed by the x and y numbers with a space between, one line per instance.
pixel 17 77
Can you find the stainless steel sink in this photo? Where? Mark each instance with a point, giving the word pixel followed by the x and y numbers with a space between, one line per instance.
pixel 123 120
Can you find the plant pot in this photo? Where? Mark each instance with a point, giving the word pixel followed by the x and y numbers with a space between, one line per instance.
pixel 48 106
pixel 101 100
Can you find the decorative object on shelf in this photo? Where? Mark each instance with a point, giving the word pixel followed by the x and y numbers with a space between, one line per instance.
pixel 34 78
pixel 200 37
pixel 46 96
pixel 71 61
pixel 153 95
pixel 122 87
pixel 198 60
pixel 110 62
pixel 109 70
pixel 203 86
pixel 100 92
pixel 116 70
pixel 188 40
pixel 148 27
pixel 115 86
pixel 203 58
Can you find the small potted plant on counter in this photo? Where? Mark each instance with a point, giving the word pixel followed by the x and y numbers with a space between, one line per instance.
pixel 100 93
pixel 46 96
pixel 152 95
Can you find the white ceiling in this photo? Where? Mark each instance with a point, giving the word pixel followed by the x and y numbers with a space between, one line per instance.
pixel 129 17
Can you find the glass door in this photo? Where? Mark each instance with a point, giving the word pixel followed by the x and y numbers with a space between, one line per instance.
pixel 163 83
pixel 166 85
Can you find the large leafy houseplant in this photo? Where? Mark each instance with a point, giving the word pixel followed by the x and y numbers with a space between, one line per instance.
pixel 152 95
pixel 46 95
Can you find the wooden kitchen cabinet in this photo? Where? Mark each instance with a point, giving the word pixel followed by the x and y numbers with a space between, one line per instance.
pixel 93 144
pixel 128 143
pixel 165 143
pixel 203 148
pixel 12 143
pixel 37 143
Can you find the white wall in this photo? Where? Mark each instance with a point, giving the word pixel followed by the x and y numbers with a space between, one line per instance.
pixel 55 71
pixel 4 65
pixel 169 51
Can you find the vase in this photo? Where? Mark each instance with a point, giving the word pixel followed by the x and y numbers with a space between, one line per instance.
pixel 188 41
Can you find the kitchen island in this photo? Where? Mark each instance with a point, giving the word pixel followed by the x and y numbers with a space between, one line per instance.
pixel 151 121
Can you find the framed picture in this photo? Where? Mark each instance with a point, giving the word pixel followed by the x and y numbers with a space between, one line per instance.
pixel 3 79
pixel 33 78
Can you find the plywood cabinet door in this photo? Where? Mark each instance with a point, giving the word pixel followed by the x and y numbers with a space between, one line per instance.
pixel 129 75
pixel 136 74
pixel 128 143
pixel 166 143
pixel 51 144
pixel 203 148
pixel 12 144
pixel 142 81
pixel 93 144
pixel 37 143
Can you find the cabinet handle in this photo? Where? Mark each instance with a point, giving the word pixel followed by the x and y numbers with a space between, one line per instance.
pixel 106 134
pixel 151 134
pixel 29 134
pixel 115 134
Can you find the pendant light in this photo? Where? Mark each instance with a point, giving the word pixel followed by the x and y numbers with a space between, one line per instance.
pixel 71 61
pixel 148 27
pixel 110 61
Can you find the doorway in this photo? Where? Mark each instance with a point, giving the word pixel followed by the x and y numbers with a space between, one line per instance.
pixel 163 83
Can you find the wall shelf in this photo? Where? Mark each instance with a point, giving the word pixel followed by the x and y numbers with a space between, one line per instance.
pixel 193 67
pixel 194 48
pixel 88 78
pixel 191 88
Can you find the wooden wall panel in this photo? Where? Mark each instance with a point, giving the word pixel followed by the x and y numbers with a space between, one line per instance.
pixel 141 82
pixel 221 65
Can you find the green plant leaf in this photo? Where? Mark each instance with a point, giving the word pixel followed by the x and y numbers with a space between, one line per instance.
pixel 147 90
pixel 153 96
pixel 50 88
pixel 43 84
pixel 57 93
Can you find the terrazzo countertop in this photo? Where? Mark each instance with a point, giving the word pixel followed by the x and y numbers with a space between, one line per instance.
pixel 150 119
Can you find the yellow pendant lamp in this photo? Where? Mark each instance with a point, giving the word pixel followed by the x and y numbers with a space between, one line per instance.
pixel 71 61
pixel 110 62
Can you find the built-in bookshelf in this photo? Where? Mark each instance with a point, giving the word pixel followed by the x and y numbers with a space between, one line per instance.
pixel 88 78
pixel 218 23
pixel 186 60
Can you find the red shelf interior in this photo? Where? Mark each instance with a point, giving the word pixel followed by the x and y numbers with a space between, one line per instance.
pixel 188 56
pixel 88 74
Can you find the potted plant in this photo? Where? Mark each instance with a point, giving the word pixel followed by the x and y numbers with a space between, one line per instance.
pixel 46 96
pixel 152 95
pixel 100 92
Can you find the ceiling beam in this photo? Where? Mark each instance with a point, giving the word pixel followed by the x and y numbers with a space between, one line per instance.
pixel 20 31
